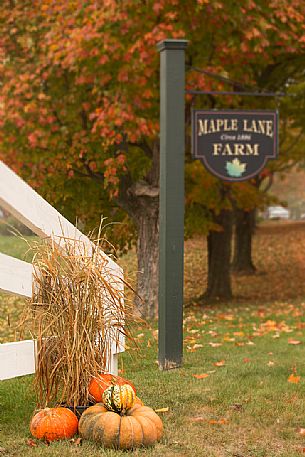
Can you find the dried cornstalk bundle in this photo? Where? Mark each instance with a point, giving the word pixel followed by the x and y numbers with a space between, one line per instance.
pixel 78 313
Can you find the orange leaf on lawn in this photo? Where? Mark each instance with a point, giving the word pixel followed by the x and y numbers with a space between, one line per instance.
pixel 294 379
pixel 228 338
pixel 198 419
pixel 218 422
pixel 294 341
pixel 200 376
pixel 238 334
pixel 221 363
pixel 31 443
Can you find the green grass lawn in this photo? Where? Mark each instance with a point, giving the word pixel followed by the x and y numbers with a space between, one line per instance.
pixel 11 306
pixel 17 246
pixel 243 405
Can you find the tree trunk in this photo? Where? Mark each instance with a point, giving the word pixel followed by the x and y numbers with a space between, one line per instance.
pixel 219 257
pixel 140 200
pixel 244 230
pixel 148 255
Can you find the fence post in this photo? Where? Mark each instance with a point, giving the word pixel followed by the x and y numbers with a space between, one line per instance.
pixel 172 143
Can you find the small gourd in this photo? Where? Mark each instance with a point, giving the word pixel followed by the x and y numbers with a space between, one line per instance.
pixel 119 398
pixel 101 382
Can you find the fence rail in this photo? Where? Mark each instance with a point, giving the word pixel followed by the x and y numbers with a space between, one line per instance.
pixel 16 276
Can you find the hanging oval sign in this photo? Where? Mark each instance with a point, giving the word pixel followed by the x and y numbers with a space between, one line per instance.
pixel 234 145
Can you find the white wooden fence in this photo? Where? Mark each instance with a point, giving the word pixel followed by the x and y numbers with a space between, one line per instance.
pixel 16 276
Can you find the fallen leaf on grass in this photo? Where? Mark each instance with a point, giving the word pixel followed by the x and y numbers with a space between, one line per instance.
pixel 194 347
pixel 294 379
pixel 200 376
pixel 301 431
pixel 215 345
pixel 154 334
pixel 228 338
pixel 218 422
pixel 226 317
pixel 162 410
pixel 76 441
pixel 197 346
pixel 246 360
pixel 221 363
pixel 294 342
pixel 236 406
pixel 211 421
pixel 238 334
pixel 31 443
pixel 190 339
pixel 198 419
pixel 270 363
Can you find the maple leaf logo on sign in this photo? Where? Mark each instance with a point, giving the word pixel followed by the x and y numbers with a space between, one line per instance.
pixel 234 145
pixel 235 168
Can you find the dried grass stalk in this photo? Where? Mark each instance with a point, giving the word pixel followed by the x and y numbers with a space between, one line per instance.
pixel 78 313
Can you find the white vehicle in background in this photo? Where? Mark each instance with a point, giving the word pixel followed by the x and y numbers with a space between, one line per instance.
pixel 278 212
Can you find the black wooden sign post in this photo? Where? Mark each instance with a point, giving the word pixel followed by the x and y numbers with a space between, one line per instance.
pixel 172 125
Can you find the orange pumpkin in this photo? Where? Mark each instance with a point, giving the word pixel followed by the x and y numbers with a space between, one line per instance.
pixel 140 426
pixel 100 383
pixel 54 424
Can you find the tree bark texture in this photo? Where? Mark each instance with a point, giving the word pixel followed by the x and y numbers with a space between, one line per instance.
pixel 244 230
pixel 148 261
pixel 140 200
pixel 219 257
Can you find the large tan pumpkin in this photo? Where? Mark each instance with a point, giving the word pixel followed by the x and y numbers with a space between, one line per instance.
pixel 140 426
